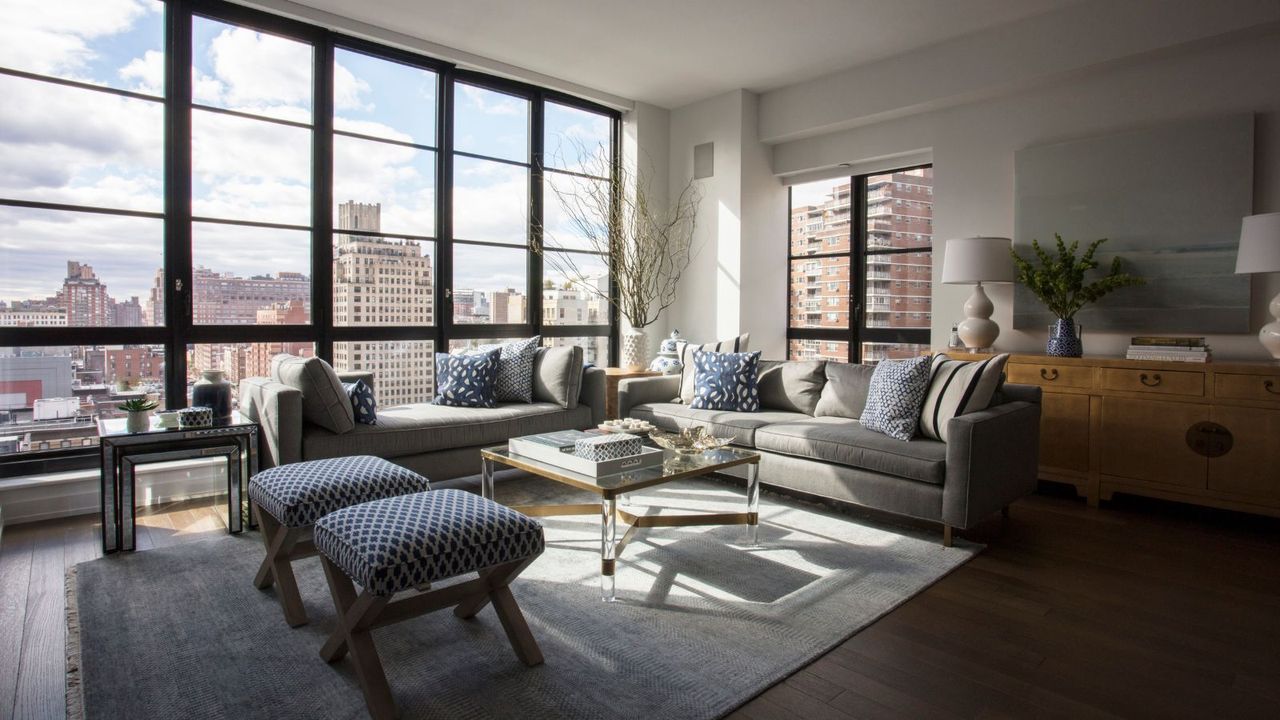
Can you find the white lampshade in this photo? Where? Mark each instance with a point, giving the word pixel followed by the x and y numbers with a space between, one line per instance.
pixel 978 260
pixel 1259 244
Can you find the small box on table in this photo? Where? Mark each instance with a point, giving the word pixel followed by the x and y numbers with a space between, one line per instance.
pixel 598 448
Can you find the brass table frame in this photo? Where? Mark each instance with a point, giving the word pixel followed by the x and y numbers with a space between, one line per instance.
pixel 611 488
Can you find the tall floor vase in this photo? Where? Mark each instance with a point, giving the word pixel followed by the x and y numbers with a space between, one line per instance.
pixel 635 350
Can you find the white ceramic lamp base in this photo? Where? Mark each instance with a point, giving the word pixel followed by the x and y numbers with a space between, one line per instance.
pixel 978 330
pixel 1269 335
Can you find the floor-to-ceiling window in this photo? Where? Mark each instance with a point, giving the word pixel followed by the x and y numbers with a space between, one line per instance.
pixel 859 276
pixel 196 185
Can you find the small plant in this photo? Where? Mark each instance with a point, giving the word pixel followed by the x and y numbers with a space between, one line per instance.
pixel 138 404
pixel 1059 282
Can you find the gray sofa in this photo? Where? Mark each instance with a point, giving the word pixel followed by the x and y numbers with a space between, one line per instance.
pixel 810 440
pixel 438 441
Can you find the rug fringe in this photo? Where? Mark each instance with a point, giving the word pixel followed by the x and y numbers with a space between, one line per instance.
pixel 75 688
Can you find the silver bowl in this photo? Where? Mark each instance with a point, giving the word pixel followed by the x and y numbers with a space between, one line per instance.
pixel 689 441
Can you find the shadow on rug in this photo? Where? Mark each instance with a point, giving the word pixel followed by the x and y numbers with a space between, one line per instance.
pixel 702 623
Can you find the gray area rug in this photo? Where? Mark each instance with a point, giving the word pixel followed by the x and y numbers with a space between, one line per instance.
pixel 702 623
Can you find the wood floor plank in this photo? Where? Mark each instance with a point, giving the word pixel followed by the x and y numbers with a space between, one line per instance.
pixel 15 579
pixel 41 691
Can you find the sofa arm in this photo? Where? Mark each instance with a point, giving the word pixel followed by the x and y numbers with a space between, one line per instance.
pixel 640 391
pixel 993 458
pixel 350 376
pixel 593 392
pixel 277 408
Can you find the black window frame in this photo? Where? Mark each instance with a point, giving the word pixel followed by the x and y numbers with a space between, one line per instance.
pixel 858 332
pixel 180 331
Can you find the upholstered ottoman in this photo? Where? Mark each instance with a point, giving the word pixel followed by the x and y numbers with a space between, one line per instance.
pixel 406 543
pixel 289 499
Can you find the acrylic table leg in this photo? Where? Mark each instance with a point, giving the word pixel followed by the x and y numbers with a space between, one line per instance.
pixel 234 506
pixel 753 504
pixel 608 547
pixel 110 481
pixel 486 478
pixel 251 469
pixel 128 523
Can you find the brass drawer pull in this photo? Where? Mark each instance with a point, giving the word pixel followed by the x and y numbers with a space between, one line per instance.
pixel 1269 386
pixel 1051 374
pixel 1151 381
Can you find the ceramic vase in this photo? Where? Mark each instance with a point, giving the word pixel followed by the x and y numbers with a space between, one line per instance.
pixel 213 391
pixel 138 421
pixel 635 350
pixel 1064 339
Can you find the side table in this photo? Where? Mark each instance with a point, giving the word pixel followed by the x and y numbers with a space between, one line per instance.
pixel 122 452
pixel 613 376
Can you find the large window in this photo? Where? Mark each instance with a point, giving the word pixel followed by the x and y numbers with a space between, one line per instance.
pixel 186 186
pixel 860 268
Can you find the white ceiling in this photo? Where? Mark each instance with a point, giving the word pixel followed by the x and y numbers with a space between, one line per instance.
pixel 672 52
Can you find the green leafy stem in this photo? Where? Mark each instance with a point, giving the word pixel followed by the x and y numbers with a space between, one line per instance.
pixel 1059 282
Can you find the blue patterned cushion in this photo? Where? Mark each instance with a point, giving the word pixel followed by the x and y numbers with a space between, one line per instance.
pixel 895 397
pixel 467 380
pixel 726 381
pixel 390 545
pixel 515 368
pixel 363 403
pixel 298 494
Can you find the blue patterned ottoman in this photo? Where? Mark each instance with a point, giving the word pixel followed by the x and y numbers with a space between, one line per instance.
pixel 289 499
pixel 407 543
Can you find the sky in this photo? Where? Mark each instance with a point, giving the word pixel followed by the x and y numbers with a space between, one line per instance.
pixel 74 146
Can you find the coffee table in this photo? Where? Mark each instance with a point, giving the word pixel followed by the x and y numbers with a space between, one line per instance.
pixel 611 488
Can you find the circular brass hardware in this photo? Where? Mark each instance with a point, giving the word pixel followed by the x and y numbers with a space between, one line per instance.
pixel 1209 439
pixel 1051 374
pixel 1151 381
pixel 1269 386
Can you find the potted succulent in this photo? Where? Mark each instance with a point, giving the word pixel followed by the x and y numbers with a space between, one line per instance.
pixel 139 413
pixel 1059 283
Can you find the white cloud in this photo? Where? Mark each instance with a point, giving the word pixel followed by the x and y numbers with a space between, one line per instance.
pixel 148 71
pixel 492 103
pixel 348 90
pixel 56 38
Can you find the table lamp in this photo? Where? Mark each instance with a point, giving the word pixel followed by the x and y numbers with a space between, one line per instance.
pixel 1260 253
pixel 977 260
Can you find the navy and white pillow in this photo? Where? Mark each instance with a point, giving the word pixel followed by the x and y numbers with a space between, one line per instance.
pixel 467 380
pixel 957 387
pixel 686 350
pixel 726 381
pixel 363 403
pixel 895 396
pixel 515 368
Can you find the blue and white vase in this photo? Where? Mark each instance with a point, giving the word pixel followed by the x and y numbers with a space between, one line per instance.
pixel 213 391
pixel 1064 339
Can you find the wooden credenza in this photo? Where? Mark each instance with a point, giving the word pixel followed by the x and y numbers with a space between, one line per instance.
pixel 1204 434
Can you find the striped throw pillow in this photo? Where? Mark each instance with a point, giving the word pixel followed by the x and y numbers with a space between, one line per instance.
pixel 686 350
pixel 958 387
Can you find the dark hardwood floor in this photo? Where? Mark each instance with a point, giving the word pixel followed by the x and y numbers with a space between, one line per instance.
pixel 1141 609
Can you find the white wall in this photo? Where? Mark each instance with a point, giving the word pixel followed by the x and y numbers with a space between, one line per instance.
pixel 730 286
pixel 646 149
pixel 973 148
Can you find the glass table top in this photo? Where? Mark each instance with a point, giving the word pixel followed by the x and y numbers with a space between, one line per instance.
pixel 674 466
pixel 116 426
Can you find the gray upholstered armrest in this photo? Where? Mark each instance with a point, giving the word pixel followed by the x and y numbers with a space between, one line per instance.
pixel 993 459
pixel 593 392
pixel 278 409
pixel 639 391
pixel 350 376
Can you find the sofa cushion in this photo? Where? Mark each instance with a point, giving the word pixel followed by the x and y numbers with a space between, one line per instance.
pixel 423 427
pixel 846 442
pixel 958 387
pixel 515 368
pixel 557 375
pixel 324 402
pixel 896 394
pixel 363 403
pixel 791 386
pixel 740 426
pixel 726 381
pixel 686 350
pixel 467 380
pixel 845 394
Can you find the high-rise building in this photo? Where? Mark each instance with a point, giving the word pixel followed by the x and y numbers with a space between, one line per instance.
pixel 507 306
pixel 153 308
pixel 380 281
pixel 32 315
pixel 127 313
pixel 84 297
pixel 228 299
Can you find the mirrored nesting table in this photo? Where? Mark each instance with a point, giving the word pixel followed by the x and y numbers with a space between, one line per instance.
pixel 122 452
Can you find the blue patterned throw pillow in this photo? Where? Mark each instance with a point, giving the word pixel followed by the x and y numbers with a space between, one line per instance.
pixel 467 380
pixel 515 368
pixel 363 403
pixel 726 381
pixel 895 397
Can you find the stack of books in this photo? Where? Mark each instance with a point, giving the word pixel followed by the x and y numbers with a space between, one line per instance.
pixel 1174 349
